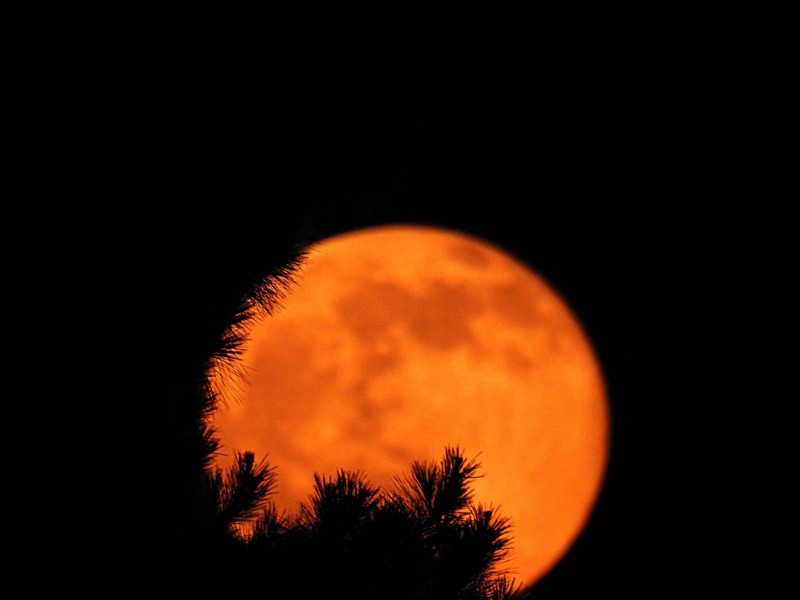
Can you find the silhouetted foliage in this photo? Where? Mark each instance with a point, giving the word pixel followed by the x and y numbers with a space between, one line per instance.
pixel 240 493
pixel 423 538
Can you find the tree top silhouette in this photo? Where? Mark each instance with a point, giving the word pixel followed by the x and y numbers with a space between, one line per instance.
pixel 424 537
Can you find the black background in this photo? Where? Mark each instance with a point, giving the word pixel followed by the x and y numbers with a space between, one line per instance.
pixel 641 159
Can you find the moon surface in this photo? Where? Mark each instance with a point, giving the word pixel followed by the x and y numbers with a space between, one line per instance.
pixel 395 341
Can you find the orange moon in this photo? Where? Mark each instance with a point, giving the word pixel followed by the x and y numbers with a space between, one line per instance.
pixel 395 341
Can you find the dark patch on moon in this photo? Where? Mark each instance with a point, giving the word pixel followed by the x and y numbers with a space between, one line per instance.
pixel 439 318
pixel 470 254
pixel 516 360
pixel 369 311
pixel 512 302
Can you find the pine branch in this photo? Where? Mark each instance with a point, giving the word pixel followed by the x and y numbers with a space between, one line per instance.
pixel 339 503
pixel 244 490
pixel 453 491
pixel 437 492
pixel 265 297
pixel 484 542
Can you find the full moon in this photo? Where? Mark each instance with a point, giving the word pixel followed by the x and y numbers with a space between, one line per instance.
pixel 395 341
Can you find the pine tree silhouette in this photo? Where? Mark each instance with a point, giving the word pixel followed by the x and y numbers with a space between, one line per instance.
pixel 423 538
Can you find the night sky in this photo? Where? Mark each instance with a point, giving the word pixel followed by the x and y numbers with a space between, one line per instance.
pixel 640 158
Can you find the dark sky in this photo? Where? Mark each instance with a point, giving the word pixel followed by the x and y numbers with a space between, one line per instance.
pixel 642 159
